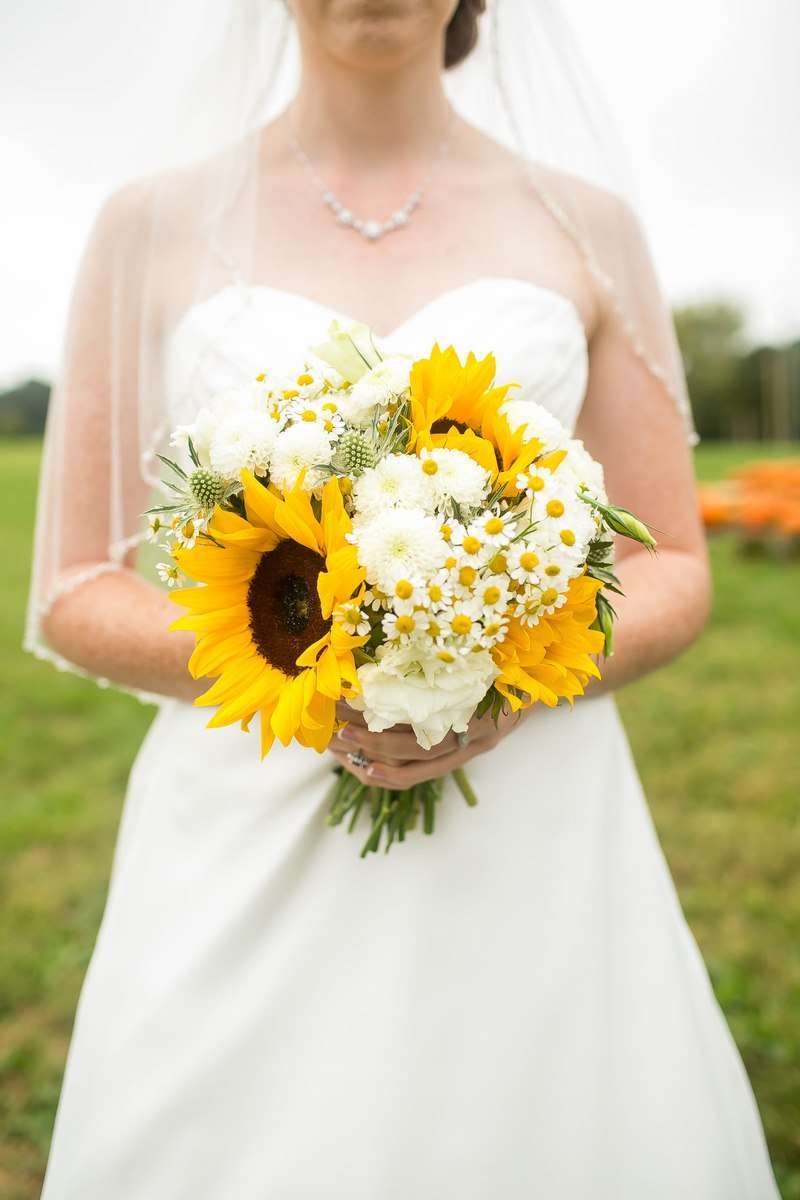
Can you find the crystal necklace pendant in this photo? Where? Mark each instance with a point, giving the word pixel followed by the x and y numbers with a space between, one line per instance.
pixel 370 228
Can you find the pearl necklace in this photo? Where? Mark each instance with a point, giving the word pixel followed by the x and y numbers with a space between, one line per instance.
pixel 370 228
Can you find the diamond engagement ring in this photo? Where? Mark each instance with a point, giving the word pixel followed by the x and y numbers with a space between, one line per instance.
pixel 358 758
pixel 463 738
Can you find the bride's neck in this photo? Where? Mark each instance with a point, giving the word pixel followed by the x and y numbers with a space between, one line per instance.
pixel 348 116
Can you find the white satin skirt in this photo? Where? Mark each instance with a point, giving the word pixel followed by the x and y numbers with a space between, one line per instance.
pixel 511 1009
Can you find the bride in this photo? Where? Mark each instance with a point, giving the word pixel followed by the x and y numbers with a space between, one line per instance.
pixel 516 1007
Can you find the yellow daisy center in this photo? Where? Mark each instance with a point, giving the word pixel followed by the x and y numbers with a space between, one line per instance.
pixel 461 623
pixel 304 379
pixel 446 657
pixel 549 596
pixel 435 592
pixel 552 569
pixel 491 595
pixel 529 561
pixel 467 576
pixel 493 525
pixel 403 589
pixel 555 508
pixel 404 624
pixel 430 467
pixel 567 537
pixel 471 545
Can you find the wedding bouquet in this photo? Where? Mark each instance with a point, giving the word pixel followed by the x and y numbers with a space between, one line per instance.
pixel 406 537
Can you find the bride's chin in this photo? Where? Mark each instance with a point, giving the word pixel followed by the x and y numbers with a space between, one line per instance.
pixel 375 34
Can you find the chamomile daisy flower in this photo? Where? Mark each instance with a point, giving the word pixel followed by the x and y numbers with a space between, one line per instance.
pixel 353 619
pixel 156 528
pixel 168 573
pixel 523 561
pixel 400 625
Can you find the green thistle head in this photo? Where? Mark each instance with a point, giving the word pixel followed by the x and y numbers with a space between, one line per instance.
pixel 206 487
pixel 356 453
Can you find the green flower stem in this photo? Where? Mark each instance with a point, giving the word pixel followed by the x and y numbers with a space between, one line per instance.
pixel 391 814
pixel 464 786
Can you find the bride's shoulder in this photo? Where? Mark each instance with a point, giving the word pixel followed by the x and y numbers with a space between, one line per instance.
pixel 175 199
pixel 599 210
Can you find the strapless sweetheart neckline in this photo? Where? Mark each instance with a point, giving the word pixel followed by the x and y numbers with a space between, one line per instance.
pixel 423 310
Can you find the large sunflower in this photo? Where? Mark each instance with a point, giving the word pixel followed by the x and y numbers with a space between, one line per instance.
pixel 264 621
pixel 454 404
pixel 552 659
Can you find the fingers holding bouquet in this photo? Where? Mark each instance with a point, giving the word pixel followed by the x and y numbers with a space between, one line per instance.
pixel 395 760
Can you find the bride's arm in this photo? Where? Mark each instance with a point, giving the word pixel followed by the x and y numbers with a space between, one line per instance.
pixel 116 626
pixel 114 623
pixel 630 425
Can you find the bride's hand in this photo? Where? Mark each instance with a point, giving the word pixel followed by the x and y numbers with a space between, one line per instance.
pixel 397 761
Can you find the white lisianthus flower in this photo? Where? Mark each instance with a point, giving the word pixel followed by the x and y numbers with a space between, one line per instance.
pixel 452 473
pixel 399 543
pixel 431 706
pixel 201 431
pixel 243 438
pixel 396 480
pixel 375 389
pixel 303 446
pixel 350 350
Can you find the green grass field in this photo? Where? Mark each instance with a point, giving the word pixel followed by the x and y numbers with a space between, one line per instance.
pixel 715 736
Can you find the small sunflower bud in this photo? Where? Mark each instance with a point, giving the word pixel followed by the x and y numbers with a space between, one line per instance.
pixel 356 453
pixel 206 487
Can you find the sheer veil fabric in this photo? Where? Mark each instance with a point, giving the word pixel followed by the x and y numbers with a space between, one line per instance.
pixel 189 226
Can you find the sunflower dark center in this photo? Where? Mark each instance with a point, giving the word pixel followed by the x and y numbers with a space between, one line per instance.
pixel 285 614
pixel 444 425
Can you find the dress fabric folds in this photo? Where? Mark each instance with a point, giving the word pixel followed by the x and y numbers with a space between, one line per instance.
pixel 514 1008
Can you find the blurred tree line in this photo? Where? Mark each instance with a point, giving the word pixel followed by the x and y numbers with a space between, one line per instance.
pixel 738 391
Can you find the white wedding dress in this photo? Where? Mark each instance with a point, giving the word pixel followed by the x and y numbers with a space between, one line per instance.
pixel 514 1008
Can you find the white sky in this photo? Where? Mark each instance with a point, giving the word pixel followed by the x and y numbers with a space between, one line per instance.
pixel 706 94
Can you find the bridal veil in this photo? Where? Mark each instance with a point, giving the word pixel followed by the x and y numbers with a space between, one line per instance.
pixel 188 224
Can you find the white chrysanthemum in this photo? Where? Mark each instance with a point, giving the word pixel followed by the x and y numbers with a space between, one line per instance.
pixel 584 470
pixel 396 480
pixel 242 439
pixel 375 389
pixel 453 474
pixel 301 447
pixel 433 699
pixel 399 543
pixel 538 422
